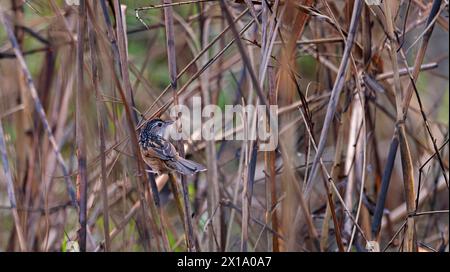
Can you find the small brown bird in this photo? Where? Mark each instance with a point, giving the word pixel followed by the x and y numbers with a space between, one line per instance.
pixel 160 154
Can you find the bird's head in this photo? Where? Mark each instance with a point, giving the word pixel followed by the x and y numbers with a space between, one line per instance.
pixel 153 128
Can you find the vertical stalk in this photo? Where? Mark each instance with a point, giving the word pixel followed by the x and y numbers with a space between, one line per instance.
pixel 10 189
pixel 82 177
pixel 171 57
pixel 101 120
pixel 407 167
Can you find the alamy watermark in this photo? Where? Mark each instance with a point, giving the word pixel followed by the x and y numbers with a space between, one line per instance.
pixel 72 2
pixel 236 122
pixel 373 2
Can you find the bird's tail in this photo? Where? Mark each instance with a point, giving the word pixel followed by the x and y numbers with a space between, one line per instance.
pixel 188 167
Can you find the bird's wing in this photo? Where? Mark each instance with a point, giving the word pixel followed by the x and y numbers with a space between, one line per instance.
pixel 163 149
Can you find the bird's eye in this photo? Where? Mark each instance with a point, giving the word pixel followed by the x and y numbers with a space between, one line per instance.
pixel 159 124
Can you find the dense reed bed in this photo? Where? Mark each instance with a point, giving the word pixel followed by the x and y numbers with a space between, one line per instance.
pixel 361 160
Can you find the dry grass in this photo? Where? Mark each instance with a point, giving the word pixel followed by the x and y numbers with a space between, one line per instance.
pixel 354 85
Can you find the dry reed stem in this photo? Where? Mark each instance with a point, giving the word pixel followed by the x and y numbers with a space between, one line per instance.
pixel 337 87
pixel 10 189
pixel 408 175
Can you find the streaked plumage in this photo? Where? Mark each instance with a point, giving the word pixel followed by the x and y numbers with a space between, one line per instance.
pixel 160 154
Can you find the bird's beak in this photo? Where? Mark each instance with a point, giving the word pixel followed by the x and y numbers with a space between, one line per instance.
pixel 169 122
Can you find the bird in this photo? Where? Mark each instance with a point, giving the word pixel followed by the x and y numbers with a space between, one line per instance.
pixel 160 154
